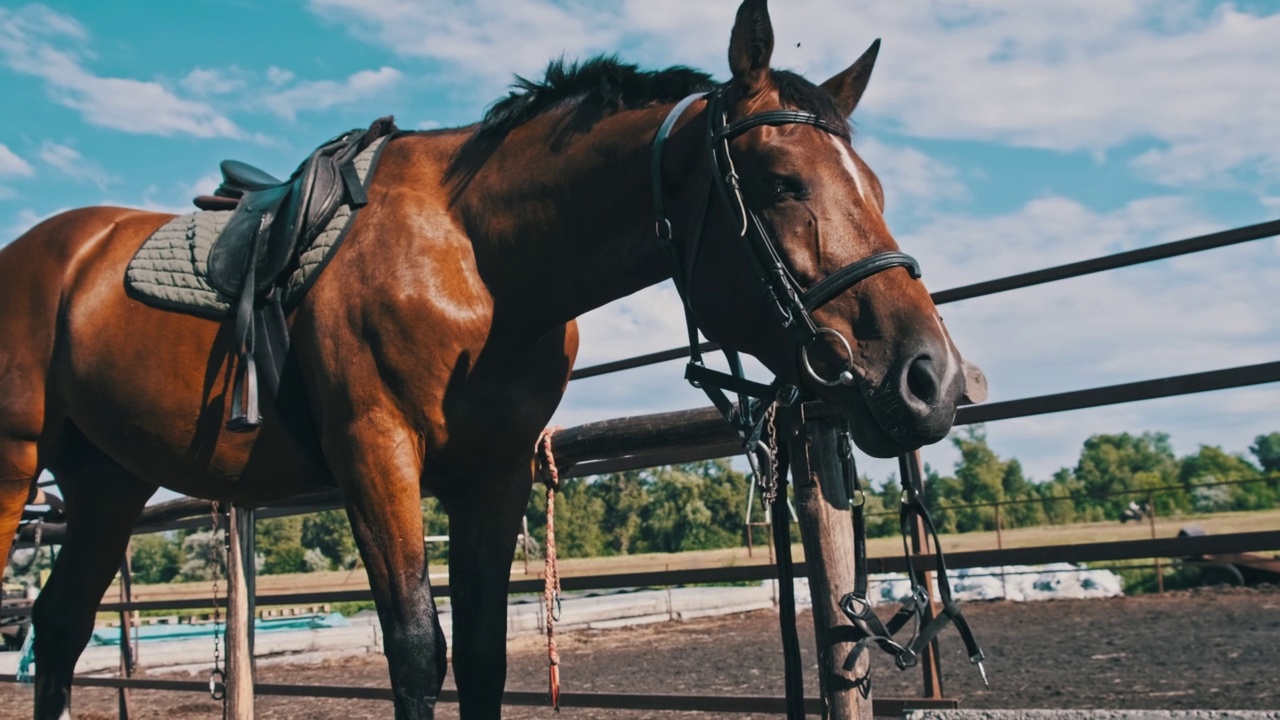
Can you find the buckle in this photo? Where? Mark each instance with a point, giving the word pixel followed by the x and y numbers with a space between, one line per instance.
pixel 662 229
pixel 787 394
pixel 906 658
pixel 855 607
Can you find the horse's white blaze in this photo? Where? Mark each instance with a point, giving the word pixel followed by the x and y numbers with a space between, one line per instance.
pixel 954 363
pixel 846 158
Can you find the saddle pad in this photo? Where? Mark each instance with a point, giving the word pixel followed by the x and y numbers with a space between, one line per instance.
pixel 170 270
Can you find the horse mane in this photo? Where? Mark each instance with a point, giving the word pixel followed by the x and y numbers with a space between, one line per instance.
pixel 602 85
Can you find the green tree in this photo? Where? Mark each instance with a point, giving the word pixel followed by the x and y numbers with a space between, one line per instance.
pixel 1267 449
pixel 624 497
pixel 156 558
pixel 279 542
pixel 435 523
pixel 1200 473
pixel 330 532
pixel 1111 464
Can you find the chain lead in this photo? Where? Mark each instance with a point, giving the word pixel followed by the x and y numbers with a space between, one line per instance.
pixel 217 677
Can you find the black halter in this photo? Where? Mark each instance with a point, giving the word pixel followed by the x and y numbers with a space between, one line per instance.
pixel 791 304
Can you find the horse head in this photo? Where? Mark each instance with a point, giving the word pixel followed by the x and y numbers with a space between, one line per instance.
pixel 796 265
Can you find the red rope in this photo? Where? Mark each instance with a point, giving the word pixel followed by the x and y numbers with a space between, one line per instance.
pixel 550 476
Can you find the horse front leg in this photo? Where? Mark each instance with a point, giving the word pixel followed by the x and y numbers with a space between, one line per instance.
pixel 483 527
pixel 103 501
pixel 380 483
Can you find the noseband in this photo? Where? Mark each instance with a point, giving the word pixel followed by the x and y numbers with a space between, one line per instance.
pixel 791 304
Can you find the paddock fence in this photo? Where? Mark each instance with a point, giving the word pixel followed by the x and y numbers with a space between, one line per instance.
pixel 693 435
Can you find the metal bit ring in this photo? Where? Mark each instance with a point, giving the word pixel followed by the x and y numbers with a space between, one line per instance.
pixel 846 376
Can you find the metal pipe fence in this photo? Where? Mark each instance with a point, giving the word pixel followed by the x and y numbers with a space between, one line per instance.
pixel 688 436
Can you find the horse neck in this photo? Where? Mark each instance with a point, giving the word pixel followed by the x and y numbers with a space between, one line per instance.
pixel 563 223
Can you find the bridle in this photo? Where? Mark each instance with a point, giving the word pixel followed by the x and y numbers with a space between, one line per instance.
pixel 791 305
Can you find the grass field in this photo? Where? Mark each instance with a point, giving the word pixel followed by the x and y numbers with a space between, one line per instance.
pixel 878 547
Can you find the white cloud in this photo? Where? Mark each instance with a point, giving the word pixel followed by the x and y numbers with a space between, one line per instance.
pixel 70 163
pixel 40 42
pixel 278 76
pixel 175 201
pixel 324 94
pixel 202 81
pixel 488 39
pixel 910 178
pixel 1058 76
pixel 24 221
pixel 13 166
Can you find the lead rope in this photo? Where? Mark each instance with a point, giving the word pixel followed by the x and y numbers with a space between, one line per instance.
pixel 550 476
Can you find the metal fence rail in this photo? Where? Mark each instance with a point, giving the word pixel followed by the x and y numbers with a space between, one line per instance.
pixel 666 438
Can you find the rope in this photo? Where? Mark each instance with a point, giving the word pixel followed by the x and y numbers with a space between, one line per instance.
pixel 25 675
pixel 550 476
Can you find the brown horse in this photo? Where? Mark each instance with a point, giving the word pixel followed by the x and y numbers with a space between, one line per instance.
pixel 438 343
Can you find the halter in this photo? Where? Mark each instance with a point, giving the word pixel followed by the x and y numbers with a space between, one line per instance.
pixel 790 304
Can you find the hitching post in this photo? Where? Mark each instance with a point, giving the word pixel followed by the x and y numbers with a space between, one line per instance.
pixel 239 621
pixel 826 525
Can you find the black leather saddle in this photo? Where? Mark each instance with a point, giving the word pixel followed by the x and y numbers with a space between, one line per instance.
pixel 273 221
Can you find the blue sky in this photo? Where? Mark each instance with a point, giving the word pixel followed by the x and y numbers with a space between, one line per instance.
pixel 1008 135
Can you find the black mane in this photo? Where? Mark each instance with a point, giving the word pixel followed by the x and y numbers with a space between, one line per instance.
pixel 603 85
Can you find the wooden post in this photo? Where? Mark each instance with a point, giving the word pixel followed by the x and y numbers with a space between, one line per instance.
pixel 1151 513
pixel 239 621
pixel 127 658
pixel 930 660
pixel 826 526
pixel 1004 579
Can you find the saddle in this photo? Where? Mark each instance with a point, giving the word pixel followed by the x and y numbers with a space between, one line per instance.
pixel 272 222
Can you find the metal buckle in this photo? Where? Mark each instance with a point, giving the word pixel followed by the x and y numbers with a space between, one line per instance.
pixel 662 224
pixel 856 611
pixel 787 395
pixel 857 498
pixel 906 658
pixel 846 377
pixel 217 684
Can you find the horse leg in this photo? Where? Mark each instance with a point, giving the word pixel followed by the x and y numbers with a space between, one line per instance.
pixel 382 496
pixel 103 501
pixel 18 470
pixel 483 527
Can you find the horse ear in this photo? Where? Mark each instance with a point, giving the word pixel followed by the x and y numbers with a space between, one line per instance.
pixel 751 45
pixel 848 86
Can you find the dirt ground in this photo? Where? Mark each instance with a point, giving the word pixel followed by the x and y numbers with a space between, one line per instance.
pixel 1212 648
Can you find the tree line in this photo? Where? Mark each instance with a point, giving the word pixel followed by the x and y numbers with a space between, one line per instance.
pixel 702 506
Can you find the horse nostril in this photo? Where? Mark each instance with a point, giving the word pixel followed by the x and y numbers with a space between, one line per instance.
pixel 922 381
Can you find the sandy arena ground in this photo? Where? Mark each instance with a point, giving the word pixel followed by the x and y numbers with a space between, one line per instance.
pixel 1201 649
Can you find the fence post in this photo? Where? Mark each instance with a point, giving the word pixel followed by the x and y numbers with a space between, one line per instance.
pixel 239 619
pixel 1151 513
pixel 826 526
pixel 127 658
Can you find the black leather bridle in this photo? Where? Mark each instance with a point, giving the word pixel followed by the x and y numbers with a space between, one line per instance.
pixel 791 304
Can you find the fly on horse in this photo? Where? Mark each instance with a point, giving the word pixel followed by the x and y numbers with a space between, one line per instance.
pixel 438 342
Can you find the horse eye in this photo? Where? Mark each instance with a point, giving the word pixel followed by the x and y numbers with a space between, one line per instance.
pixel 779 189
